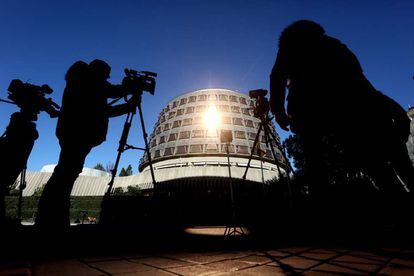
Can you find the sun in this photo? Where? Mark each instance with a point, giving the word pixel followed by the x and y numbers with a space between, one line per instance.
pixel 211 118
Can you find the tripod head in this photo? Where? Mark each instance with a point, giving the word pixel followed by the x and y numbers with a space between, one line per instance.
pixel 261 105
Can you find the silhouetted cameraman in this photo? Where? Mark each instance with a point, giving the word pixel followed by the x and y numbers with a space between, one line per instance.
pixel 329 96
pixel 17 141
pixel 82 125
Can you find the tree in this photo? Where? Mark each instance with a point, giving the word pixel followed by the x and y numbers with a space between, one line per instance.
pixel 109 167
pixel 126 172
pixel 99 166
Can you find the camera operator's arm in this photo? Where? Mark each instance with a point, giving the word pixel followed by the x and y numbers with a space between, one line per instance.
pixel 121 109
pixel 278 81
pixel 115 90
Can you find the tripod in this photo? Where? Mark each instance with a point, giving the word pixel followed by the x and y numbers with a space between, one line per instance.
pixel 123 146
pixel 22 186
pixel 269 137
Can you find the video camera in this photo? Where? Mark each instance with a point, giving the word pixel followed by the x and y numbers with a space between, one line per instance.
pixel 261 104
pixel 30 97
pixel 139 81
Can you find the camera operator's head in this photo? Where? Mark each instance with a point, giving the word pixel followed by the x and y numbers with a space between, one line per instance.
pixel 100 69
pixel 77 70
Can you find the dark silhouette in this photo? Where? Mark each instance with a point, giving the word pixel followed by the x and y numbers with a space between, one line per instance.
pixel 17 141
pixel 330 102
pixel 82 125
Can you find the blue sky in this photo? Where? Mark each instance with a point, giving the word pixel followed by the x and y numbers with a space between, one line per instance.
pixel 192 45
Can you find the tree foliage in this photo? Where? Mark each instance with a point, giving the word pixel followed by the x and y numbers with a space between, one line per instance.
pixel 99 166
pixel 126 172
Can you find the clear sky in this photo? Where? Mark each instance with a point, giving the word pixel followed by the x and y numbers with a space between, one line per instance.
pixel 192 45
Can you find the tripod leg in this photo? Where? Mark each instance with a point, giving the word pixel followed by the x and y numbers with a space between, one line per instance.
pixel 269 143
pixel 256 140
pixel 144 133
pixel 121 148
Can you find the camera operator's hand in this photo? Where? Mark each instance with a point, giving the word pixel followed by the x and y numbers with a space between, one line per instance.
pixel 134 101
pixel 283 120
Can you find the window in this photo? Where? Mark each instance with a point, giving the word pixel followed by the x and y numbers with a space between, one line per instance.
pixel 168 151
pixel 233 99
pixel 223 97
pixel 158 131
pixel 157 154
pixel 197 148
pixel 171 115
pixel 167 108
pixel 176 124
pixel 198 133
pixel 162 140
pixel 242 149
pixel 162 120
pixel 172 137
pixel 211 133
pixel 201 108
pixel 243 100
pixel 238 121
pixel 259 151
pixel 181 150
pixel 211 148
pixel 223 108
pixel 180 112
pixel 248 123
pixel 263 139
pixel 183 101
pixel 202 98
pixel 269 154
pixel 240 134
pixel 246 111
pixel 235 109
pixel 184 135
pixel 251 136
pixel 224 148
pixel 198 120
pixel 175 104
pixel 192 99
pixel 166 126
pixel 212 97
pixel 189 110
pixel 226 120
pixel 153 143
pixel 187 122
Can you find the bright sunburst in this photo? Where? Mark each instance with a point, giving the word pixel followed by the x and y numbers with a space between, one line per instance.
pixel 211 118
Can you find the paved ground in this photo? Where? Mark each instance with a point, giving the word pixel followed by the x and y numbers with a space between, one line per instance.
pixel 281 261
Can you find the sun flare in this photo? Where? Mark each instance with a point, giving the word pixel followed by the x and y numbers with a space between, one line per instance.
pixel 211 118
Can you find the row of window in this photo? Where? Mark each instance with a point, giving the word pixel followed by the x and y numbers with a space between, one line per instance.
pixel 204 108
pixel 199 121
pixel 211 97
pixel 198 133
pixel 205 148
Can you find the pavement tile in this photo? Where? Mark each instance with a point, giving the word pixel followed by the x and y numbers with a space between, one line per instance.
pixel 161 262
pixel 255 259
pixel 64 267
pixel 398 267
pixel 101 258
pixel 195 270
pixel 319 255
pixel 294 249
pixel 203 258
pixel 275 253
pixel 155 272
pixel 121 266
pixel 360 266
pixel 260 270
pixel 298 262
pixel 329 269
pixel 229 265
pixel 21 271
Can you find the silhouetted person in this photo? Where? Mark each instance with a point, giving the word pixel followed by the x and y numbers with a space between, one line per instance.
pixel 82 125
pixel 15 147
pixel 329 95
pixel 17 141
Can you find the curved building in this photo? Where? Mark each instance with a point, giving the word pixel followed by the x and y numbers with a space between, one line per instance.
pixel 185 147
pixel 187 136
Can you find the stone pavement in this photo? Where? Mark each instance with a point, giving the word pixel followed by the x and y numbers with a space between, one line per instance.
pixel 280 261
